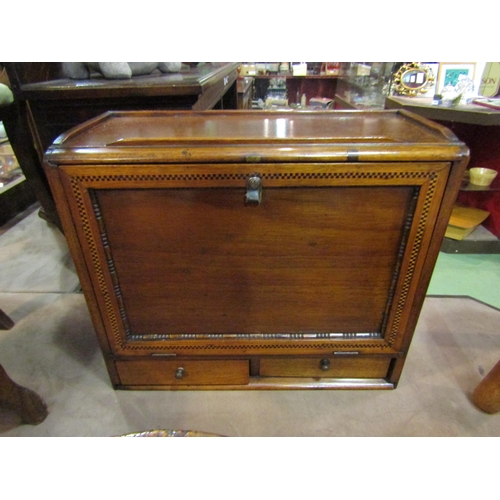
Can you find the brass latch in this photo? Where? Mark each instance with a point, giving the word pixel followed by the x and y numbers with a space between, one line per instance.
pixel 254 190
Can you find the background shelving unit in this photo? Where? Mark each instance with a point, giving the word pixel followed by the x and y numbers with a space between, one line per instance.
pixel 479 128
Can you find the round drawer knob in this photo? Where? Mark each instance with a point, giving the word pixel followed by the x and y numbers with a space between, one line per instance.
pixel 324 364
pixel 180 373
pixel 254 182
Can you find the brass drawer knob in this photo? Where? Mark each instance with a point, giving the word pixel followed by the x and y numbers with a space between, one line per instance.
pixel 324 364
pixel 180 373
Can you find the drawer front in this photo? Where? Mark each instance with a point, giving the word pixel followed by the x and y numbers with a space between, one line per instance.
pixel 181 372
pixel 325 367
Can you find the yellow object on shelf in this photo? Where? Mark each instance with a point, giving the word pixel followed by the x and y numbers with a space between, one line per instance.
pixel 482 176
pixel 299 69
pixel 463 221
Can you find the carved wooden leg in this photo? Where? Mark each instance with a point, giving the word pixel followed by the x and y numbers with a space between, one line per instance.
pixel 5 322
pixel 25 402
pixel 487 394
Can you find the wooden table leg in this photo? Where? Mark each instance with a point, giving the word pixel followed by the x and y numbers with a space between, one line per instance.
pixel 5 322
pixel 487 394
pixel 25 402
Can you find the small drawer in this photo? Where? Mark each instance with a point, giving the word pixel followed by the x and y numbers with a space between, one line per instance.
pixel 327 367
pixel 183 372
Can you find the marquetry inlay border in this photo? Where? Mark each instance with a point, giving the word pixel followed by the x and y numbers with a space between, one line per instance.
pixel 417 243
pixel 222 176
pixel 82 186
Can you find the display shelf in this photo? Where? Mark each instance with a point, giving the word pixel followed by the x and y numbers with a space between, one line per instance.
pixel 296 86
pixel 10 172
pixel 494 186
pixel 16 194
pixel 477 126
pixel 289 76
pixel 480 241
pixel 470 113
pixel 9 184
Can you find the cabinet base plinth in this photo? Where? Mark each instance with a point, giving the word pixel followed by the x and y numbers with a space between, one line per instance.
pixel 277 383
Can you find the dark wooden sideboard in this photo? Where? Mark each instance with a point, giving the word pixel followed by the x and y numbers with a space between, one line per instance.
pixel 47 104
pixel 255 249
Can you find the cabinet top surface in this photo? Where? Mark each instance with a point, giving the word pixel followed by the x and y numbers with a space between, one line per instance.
pixel 121 133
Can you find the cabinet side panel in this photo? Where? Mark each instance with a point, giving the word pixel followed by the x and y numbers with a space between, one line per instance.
pixel 63 196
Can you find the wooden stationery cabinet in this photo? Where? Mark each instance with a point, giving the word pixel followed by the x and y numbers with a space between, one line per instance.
pixel 255 249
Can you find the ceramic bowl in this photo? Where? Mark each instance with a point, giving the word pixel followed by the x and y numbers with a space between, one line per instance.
pixel 482 176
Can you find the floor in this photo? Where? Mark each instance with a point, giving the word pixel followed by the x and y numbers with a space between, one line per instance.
pixel 472 275
pixel 52 349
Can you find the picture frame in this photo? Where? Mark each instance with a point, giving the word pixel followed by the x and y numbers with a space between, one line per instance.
pixel 449 73
pixel 434 67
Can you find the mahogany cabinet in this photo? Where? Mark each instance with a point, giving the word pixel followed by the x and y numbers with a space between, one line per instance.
pixel 255 249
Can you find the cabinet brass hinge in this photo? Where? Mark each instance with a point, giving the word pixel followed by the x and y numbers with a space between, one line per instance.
pixel 253 158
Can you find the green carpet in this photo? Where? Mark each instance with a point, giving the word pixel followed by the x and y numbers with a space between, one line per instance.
pixel 473 275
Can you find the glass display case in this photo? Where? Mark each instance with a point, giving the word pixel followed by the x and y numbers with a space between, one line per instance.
pixel 10 171
pixel 15 193
pixel 292 82
pixel 364 85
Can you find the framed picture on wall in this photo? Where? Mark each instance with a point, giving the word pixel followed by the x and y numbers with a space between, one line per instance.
pixel 449 73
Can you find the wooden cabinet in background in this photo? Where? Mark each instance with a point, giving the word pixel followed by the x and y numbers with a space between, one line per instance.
pixel 47 104
pixel 255 250
pixel 244 87
pixel 296 86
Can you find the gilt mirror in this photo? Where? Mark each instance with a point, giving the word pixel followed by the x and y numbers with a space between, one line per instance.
pixel 413 79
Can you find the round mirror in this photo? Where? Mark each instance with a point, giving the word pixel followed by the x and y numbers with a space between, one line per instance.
pixel 412 79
